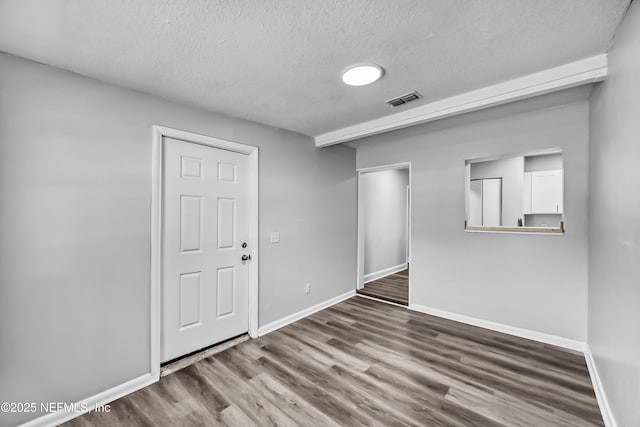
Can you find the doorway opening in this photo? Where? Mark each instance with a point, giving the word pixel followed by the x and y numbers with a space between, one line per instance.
pixel 384 233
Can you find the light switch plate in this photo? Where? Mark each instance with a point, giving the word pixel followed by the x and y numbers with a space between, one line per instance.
pixel 275 237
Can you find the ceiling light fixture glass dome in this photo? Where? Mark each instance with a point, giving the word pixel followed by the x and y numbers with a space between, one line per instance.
pixel 360 75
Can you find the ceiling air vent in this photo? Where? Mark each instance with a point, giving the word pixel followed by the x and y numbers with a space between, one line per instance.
pixel 403 99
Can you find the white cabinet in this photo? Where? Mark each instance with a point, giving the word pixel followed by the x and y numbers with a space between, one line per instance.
pixel 543 192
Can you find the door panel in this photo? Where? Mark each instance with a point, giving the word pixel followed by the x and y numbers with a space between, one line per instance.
pixel 189 299
pixel 226 172
pixel 226 223
pixel 190 223
pixel 205 221
pixel 191 168
pixel 226 290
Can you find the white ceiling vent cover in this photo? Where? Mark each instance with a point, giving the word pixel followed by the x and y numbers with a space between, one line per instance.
pixel 403 99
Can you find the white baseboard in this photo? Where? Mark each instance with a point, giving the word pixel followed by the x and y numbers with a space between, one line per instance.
pixel 566 343
pixel 601 396
pixel 270 327
pixel 382 273
pixel 107 396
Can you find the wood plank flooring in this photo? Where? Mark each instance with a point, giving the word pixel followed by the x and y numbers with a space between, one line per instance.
pixel 394 288
pixel 362 362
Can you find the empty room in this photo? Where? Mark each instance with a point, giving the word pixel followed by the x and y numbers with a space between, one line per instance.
pixel 319 213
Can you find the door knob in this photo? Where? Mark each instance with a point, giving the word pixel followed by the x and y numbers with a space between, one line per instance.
pixel 246 257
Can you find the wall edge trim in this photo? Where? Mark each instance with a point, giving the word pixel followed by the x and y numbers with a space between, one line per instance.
pixel 555 340
pixel 277 324
pixel 102 398
pixel 601 396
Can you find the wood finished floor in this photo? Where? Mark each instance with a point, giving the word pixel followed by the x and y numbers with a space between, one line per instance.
pixel 363 362
pixel 394 288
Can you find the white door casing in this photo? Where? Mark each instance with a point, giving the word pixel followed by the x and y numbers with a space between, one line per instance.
pixel 408 224
pixel 361 219
pixel 204 280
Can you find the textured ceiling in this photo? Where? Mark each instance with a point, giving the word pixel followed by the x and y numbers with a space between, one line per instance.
pixel 279 62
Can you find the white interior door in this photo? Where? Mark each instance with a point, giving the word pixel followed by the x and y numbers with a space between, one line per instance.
pixel 205 223
pixel 492 202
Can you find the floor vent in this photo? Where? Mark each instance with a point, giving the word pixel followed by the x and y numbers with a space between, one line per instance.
pixel 403 99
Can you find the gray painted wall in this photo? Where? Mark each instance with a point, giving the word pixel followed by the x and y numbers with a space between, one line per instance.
pixel 384 203
pixel 75 177
pixel 528 281
pixel 546 162
pixel 511 170
pixel 614 209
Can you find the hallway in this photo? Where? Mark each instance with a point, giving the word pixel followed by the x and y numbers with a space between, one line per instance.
pixel 394 288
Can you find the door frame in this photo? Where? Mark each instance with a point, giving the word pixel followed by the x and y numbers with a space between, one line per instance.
pixel 159 132
pixel 360 242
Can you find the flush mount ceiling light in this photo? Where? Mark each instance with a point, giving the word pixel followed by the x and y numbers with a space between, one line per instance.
pixel 361 75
